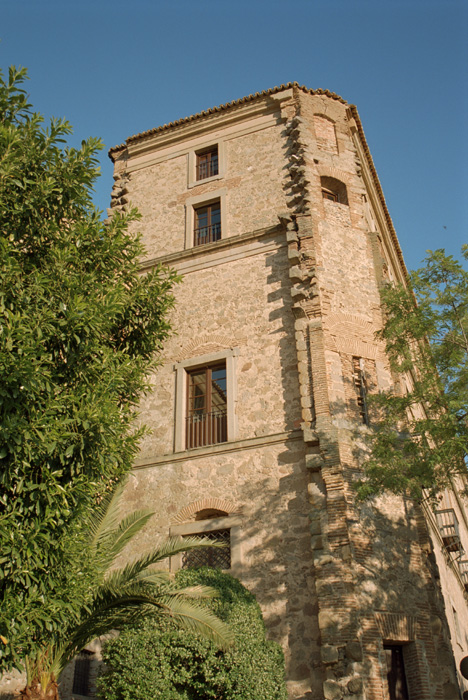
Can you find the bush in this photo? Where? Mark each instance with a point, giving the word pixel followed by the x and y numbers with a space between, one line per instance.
pixel 156 660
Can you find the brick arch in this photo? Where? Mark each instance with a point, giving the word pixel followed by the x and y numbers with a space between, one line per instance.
pixel 206 344
pixel 336 173
pixel 187 514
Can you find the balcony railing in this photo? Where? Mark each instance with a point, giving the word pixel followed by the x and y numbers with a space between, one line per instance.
pixel 207 234
pixel 206 429
pixel 207 169
pixel 463 567
pixel 449 530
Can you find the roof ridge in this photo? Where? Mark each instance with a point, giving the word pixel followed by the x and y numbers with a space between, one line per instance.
pixel 223 107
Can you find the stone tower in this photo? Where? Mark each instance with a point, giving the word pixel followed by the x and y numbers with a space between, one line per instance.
pixel 271 209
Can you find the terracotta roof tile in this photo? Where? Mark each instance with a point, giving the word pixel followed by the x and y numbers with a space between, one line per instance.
pixel 222 108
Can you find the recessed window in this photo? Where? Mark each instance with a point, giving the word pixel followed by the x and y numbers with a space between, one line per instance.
pixel 360 386
pixel 207 223
pixel 206 398
pixel 206 421
pixel 334 190
pixel 207 164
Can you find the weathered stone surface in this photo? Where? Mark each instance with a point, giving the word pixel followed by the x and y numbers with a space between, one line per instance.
pixel 353 650
pixel 332 690
pixel 329 654
pixel 355 685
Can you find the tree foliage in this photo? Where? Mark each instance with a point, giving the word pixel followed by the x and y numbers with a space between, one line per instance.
pixel 419 440
pixel 157 660
pixel 121 596
pixel 80 329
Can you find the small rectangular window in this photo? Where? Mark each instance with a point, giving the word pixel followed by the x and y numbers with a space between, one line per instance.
pixel 216 557
pixel 207 225
pixel 327 194
pixel 207 163
pixel 206 422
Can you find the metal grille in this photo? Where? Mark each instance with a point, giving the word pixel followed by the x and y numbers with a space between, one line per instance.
pixel 81 684
pixel 449 530
pixel 216 557
pixel 207 164
pixel 206 429
pixel 207 234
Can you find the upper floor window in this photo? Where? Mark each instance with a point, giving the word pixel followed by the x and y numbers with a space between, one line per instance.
pixel 334 190
pixel 206 421
pixel 207 224
pixel 207 163
pixel 216 557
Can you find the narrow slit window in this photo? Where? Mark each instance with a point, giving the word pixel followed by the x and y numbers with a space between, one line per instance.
pixel 396 677
pixel 359 379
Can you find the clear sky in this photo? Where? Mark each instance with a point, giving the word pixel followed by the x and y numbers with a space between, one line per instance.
pixel 115 68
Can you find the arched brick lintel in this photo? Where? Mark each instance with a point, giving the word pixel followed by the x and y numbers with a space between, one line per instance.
pixel 221 504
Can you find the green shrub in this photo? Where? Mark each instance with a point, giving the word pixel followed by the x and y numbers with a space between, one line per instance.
pixel 158 661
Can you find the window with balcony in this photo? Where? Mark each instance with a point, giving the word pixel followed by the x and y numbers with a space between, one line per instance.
pixel 207 164
pixel 207 224
pixel 206 421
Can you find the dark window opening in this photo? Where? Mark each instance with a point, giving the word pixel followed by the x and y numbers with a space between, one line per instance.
pixel 360 386
pixel 206 422
pixel 207 163
pixel 334 190
pixel 396 677
pixel 81 676
pixel 216 557
pixel 207 224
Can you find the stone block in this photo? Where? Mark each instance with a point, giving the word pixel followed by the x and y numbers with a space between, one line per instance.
pixel 353 651
pixel 355 686
pixel 329 654
pixel 332 690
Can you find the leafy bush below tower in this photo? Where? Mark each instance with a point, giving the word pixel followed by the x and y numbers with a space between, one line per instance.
pixel 157 660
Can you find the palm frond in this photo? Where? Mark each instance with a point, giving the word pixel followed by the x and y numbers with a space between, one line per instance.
pixel 169 548
pixel 127 528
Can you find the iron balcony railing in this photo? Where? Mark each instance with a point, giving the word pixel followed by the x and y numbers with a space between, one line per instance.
pixel 207 234
pixel 449 530
pixel 207 169
pixel 206 429
pixel 463 567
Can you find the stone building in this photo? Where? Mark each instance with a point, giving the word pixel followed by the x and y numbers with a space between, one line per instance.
pixel 271 209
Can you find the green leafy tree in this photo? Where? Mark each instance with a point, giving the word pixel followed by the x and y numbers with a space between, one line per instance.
pixel 186 666
pixel 80 330
pixel 419 440
pixel 121 596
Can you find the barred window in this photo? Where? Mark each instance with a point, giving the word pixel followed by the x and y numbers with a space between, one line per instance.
pixel 207 163
pixel 216 557
pixel 206 422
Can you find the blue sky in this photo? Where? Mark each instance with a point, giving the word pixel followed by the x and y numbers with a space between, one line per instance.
pixel 115 68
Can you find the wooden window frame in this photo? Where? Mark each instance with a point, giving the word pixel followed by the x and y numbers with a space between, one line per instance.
pixel 206 161
pixel 229 356
pixel 213 230
pixel 208 426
